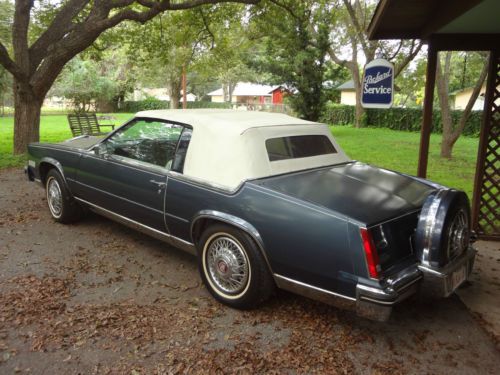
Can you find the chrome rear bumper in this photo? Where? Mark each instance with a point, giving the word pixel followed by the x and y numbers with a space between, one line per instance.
pixel 376 301
pixel 440 282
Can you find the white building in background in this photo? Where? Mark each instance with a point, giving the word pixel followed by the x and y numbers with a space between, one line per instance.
pixel 347 93
pixel 57 102
pixel 250 93
pixel 460 98
pixel 157 93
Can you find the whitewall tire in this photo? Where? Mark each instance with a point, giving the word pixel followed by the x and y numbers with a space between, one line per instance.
pixel 233 268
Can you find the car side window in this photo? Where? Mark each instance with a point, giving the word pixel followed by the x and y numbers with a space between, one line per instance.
pixel 150 141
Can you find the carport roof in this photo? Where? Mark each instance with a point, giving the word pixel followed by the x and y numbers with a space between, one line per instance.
pixel 418 19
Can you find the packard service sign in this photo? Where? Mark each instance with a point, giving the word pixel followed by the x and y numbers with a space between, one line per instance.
pixel 378 84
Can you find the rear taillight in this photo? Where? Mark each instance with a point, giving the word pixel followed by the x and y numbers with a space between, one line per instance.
pixel 371 254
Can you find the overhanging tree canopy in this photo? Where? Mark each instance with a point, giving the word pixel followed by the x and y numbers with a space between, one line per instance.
pixel 73 26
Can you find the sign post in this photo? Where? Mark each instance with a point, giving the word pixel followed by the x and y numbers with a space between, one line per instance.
pixel 378 84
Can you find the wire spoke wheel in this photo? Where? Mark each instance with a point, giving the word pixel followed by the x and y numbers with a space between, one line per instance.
pixel 458 238
pixel 54 197
pixel 227 264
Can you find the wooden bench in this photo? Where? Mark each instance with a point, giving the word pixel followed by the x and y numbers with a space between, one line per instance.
pixel 87 124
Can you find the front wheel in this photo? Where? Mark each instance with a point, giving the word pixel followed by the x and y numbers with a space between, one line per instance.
pixel 63 208
pixel 233 268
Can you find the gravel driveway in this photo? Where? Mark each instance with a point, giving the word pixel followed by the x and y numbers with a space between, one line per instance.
pixel 97 297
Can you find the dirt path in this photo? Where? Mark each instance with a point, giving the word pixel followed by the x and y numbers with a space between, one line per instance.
pixel 96 297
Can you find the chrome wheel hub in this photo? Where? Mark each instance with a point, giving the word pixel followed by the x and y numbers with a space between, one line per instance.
pixel 458 234
pixel 227 265
pixel 54 197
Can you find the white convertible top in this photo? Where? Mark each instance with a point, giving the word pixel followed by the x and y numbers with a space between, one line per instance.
pixel 228 146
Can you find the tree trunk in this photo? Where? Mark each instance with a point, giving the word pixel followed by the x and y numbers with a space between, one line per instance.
pixel 174 89
pixel 174 102
pixel 358 116
pixel 26 117
pixel 442 82
pixel 231 87
pixel 451 133
pixel 446 147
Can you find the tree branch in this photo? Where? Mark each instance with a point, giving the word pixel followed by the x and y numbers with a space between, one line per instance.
pixel 207 28
pixel 359 31
pixel 83 34
pixel 470 104
pixel 336 59
pixel 20 34
pixel 60 26
pixel 411 55
pixel 8 64
pixel 286 7
pixel 395 53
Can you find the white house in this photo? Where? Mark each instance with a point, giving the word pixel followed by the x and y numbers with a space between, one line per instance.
pixel 251 93
pixel 460 98
pixel 347 93
pixel 158 93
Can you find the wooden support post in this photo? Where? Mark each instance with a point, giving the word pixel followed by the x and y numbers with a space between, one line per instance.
pixel 184 85
pixel 425 134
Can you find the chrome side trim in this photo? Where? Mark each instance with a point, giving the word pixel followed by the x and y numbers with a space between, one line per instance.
pixel 235 221
pixel 184 245
pixel 172 240
pixel 54 146
pixel 394 218
pixel 313 292
pixel 177 217
pixel 205 185
pixel 372 290
pixel 377 301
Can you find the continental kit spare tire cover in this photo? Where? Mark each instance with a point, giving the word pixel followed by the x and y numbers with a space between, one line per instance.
pixel 443 230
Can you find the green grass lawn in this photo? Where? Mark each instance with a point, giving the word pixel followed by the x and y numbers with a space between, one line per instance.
pixel 398 150
pixel 386 148
pixel 53 128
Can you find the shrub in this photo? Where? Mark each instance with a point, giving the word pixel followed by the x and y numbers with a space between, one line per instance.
pixel 407 119
pixel 153 103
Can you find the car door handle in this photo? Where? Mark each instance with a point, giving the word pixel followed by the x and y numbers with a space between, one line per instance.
pixel 159 184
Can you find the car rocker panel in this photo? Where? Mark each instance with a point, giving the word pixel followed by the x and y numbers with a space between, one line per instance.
pixel 298 214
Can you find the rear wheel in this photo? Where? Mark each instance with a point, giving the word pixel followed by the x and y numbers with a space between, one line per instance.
pixel 233 268
pixel 62 206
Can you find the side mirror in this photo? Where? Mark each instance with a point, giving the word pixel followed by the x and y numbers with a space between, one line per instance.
pixel 101 150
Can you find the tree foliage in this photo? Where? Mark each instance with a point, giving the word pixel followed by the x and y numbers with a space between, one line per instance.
pixel 350 45
pixel 294 39
pixel 47 35
pixel 91 84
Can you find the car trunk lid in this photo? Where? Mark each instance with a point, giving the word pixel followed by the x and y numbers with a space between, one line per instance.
pixel 366 194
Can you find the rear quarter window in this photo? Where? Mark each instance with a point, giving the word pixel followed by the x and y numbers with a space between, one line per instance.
pixel 298 146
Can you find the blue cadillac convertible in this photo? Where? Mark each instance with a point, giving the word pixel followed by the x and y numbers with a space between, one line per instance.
pixel 266 201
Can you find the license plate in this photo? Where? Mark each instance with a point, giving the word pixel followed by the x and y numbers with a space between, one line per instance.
pixel 458 277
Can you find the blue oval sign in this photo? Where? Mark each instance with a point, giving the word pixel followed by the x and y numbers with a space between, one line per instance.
pixel 378 84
